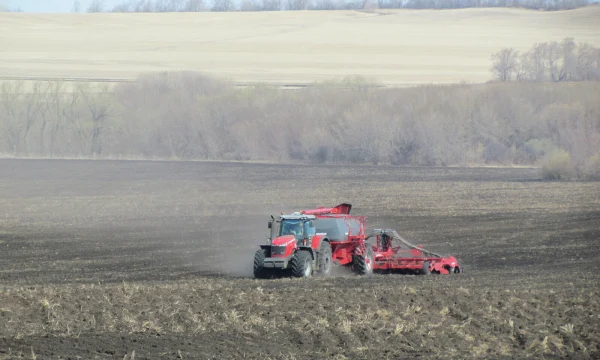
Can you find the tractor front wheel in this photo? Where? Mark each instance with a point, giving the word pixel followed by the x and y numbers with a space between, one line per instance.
pixel 324 259
pixel 363 264
pixel 301 264
pixel 260 272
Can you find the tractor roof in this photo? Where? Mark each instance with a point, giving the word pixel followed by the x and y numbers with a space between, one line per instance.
pixel 298 216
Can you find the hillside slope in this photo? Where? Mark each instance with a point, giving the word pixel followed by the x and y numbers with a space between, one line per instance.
pixel 395 47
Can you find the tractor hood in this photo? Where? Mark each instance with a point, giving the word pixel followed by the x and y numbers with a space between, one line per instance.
pixel 284 240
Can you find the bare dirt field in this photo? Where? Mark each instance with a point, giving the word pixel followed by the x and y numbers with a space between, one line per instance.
pixel 152 260
pixel 401 47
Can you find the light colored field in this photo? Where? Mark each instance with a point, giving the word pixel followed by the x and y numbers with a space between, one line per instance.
pixel 395 47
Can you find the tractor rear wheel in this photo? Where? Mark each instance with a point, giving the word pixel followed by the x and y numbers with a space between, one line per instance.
pixel 363 264
pixel 324 259
pixel 260 272
pixel 301 264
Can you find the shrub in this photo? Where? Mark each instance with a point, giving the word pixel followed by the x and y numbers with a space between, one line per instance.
pixel 539 147
pixel 189 115
pixel 557 165
pixel 591 170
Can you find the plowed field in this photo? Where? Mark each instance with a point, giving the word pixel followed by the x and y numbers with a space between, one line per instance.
pixel 152 260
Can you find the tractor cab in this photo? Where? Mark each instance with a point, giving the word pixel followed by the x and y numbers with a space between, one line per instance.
pixel 300 226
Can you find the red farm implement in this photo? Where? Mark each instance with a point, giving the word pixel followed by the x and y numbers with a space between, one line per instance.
pixel 408 258
pixel 312 241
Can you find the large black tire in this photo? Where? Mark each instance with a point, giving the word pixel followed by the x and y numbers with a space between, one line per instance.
pixel 260 272
pixel 363 265
pixel 301 264
pixel 324 259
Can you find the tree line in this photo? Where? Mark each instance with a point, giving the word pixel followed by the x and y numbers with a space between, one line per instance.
pixel 549 61
pixel 187 115
pixel 140 6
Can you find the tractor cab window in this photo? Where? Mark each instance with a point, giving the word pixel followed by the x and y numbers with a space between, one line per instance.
pixel 292 227
pixel 309 230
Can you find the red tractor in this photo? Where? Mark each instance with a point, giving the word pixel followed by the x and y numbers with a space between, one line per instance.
pixel 408 258
pixel 311 241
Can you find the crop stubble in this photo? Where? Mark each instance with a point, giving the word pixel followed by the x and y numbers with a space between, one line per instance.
pixel 103 258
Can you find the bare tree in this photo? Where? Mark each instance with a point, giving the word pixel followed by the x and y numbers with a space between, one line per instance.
pixel 31 106
pixel 297 4
pixel 588 62
pixel 250 5
pixel 176 5
pixel 222 5
pixel 52 114
pixel 144 6
pixel 160 6
pixel 370 4
pixel 169 5
pixel 553 61
pixel 96 6
pixel 534 64
pixel 504 64
pixel 271 5
pixel 194 5
pixel 99 106
pixel 74 123
pixel 4 8
pixel 10 94
pixel 391 4
pixel 569 60
pixel 325 5
pixel 554 57
pixel 122 8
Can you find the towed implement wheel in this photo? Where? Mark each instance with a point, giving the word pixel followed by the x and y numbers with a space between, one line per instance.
pixel 324 259
pixel 301 264
pixel 260 272
pixel 426 270
pixel 363 264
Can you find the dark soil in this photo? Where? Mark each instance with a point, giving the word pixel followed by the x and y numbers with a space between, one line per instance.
pixel 103 258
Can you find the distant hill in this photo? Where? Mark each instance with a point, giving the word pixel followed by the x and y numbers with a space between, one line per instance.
pixel 397 47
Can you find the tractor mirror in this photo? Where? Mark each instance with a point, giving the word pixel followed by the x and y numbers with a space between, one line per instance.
pixel 270 224
pixel 311 223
